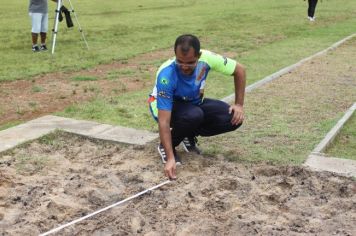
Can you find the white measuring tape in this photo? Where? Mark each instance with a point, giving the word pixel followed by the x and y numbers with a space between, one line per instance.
pixel 103 209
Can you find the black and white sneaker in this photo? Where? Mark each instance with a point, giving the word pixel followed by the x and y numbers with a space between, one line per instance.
pixel 43 47
pixel 35 48
pixel 163 155
pixel 190 145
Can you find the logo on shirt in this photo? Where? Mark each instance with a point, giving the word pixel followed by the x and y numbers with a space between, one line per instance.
pixel 201 75
pixel 163 94
pixel 225 60
pixel 164 81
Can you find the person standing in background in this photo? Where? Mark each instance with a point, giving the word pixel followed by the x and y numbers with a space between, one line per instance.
pixel 38 11
pixel 311 9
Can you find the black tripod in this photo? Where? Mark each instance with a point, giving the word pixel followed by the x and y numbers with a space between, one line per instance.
pixel 56 21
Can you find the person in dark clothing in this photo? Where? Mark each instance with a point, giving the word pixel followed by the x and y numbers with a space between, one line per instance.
pixel 311 9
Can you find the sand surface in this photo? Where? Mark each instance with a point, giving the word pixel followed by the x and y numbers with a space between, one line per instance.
pixel 62 177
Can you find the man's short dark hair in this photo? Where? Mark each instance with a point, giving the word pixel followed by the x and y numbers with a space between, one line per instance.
pixel 186 41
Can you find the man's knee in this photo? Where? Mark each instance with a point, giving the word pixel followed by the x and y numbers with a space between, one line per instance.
pixel 190 117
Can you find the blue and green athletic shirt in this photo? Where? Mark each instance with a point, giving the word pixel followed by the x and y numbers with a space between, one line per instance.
pixel 171 85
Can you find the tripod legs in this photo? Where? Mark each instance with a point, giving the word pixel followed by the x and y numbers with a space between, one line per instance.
pixel 80 28
pixel 55 29
pixel 56 20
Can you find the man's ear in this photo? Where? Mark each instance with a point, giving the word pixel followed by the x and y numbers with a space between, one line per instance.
pixel 199 54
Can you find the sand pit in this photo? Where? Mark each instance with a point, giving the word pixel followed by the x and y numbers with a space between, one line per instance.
pixel 62 177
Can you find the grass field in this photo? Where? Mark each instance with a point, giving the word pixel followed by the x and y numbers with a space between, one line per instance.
pixel 265 39
pixel 265 34
pixel 344 145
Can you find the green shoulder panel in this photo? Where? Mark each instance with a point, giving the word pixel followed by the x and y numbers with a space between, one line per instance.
pixel 164 65
pixel 218 62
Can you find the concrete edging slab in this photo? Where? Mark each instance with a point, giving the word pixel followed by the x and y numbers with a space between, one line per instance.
pixel 330 136
pixel 36 128
pixel 319 162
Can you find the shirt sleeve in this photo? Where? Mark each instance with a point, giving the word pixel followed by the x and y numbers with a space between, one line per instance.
pixel 165 91
pixel 218 62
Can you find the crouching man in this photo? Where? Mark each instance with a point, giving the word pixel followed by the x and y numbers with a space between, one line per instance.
pixel 178 104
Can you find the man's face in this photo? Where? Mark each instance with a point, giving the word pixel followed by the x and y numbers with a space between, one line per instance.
pixel 186 61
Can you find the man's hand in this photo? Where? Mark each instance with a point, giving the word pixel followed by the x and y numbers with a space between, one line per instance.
pixel 170 169
pixel 238 114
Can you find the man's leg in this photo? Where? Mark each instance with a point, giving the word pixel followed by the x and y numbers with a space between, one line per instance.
pixel 152 104
pixel 34 38
pixel 36 28
pixel 44 29
pixel 186 119
pixel 217 119
pixel 43 38
pixel 312 6
pixel 315 2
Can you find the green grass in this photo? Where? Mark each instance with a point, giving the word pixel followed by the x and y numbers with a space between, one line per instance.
pixel 31 164
pixel 266 34
pixel 84 78
pixel 37 89
pixel 344 146
pixel 130 109
pixel 9 125
pixel 124 72
pixel 266 38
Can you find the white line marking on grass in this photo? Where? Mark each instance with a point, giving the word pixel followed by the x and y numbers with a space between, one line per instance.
pixel 285 70
pixel 104 209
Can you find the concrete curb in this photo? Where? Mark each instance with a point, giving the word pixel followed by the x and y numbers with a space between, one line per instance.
pixel 286 70
pixel 319 162
pixel 36 128
pixel 330 136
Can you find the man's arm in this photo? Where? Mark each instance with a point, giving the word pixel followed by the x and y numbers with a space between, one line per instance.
pixel 164 120
pixel 240 83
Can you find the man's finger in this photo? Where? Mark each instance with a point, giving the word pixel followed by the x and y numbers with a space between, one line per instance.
pixel 174 177
pixel 235 118
pixel 171 174
pixel 241 119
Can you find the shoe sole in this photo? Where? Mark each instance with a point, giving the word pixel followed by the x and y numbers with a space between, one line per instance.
pixel 184 147
pixel 178 163
pixel 160 153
